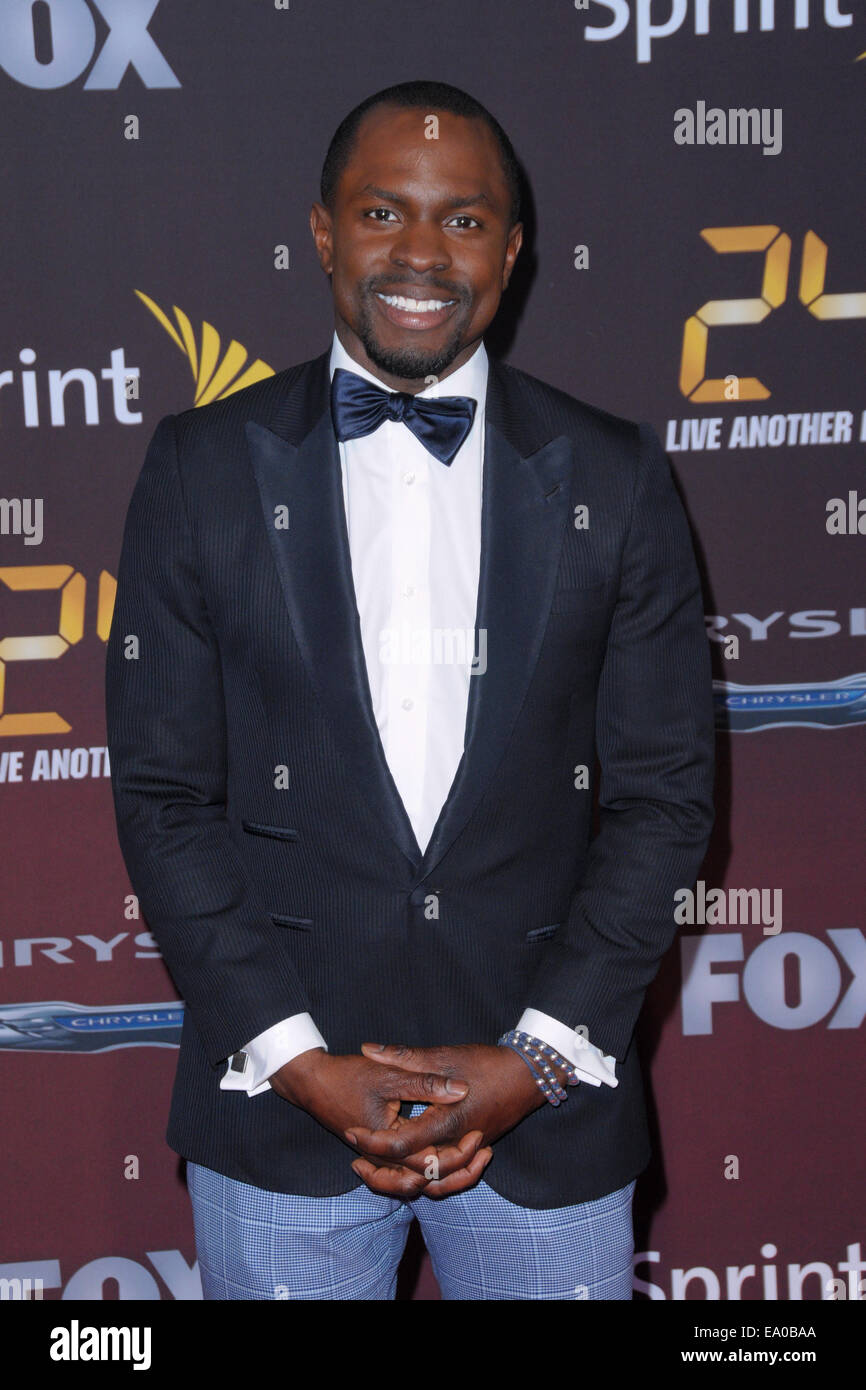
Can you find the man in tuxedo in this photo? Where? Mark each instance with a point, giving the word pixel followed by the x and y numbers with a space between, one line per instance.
pixel 385 624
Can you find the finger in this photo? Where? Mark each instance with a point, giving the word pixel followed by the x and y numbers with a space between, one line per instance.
pixel 435 1127
pixel 397 1180
pixel 438 1060
pixel 399 1055
pixel 390 1115
pixel 439 1161
pixel 447 1155
pixel 391 1182
pixel 426 1086
pixel 461 1180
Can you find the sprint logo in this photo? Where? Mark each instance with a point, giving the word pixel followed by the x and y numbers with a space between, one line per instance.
pixel 659 19
pixel 215 377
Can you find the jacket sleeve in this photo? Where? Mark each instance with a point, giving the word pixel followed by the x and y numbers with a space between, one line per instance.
pixel 167 749
pixel 655 744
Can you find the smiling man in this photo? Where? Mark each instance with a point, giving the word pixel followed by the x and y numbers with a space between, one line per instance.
pixel 412 974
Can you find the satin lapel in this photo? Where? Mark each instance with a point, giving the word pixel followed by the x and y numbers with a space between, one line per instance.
pixel 525 500
pixel 314 565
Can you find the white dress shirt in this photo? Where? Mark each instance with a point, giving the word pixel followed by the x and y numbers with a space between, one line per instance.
pixel 414 530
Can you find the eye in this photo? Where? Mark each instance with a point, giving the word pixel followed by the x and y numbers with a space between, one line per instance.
pixel 372 212
pixel 464 217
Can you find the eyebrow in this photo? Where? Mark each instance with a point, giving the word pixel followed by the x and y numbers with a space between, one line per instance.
pixel 470 201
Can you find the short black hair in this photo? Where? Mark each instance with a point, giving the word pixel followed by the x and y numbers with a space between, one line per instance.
pixel 433 96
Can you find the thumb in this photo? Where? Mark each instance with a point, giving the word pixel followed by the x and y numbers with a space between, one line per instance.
pixel 398 1055
pixel 429 1086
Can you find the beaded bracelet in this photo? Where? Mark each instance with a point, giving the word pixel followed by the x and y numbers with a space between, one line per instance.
pixel 534 1052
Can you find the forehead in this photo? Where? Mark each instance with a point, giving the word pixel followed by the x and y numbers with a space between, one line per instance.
pixel 392 150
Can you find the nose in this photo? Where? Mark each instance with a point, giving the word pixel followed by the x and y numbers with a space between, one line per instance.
pixel 421 247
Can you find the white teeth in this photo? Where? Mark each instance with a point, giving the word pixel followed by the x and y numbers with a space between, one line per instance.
pixel 415 306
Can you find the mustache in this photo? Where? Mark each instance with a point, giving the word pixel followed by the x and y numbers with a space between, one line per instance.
pixel 414 288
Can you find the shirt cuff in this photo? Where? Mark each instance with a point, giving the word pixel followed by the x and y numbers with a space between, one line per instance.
pixel 592 1065
pixel 249 1069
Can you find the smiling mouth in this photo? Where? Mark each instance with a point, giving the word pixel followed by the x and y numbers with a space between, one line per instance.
pixel 415 306
pixel 414 315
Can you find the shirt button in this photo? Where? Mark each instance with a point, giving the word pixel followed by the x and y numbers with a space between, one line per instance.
pixel 408 479
pixel 407 703
pixel 408 590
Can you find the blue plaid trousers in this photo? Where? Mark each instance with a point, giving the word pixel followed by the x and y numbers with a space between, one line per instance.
pixel 255 1244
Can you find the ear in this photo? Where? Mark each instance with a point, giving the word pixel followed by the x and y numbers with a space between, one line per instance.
pixel 515 241
pixel 322 228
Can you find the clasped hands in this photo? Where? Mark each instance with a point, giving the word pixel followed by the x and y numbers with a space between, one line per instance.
pixel 474 1094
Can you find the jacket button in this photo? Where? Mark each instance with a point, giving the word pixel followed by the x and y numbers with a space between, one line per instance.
pixel 418 896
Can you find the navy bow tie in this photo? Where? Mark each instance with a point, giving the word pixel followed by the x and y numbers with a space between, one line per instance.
pixel 441 424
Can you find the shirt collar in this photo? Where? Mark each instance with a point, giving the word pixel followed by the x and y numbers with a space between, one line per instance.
pixel 468 380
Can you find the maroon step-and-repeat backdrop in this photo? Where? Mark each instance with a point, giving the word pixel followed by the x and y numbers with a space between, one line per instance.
pixel 695 257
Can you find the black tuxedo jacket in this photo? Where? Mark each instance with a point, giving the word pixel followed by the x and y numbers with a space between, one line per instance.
pixel 235 651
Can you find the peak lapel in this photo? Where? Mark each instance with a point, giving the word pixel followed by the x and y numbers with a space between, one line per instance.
pixel 525 501
pixel 313 561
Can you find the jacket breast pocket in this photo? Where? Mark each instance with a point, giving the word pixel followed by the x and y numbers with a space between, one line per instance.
pixel 281 919
pixel 271 832
pixel 543 933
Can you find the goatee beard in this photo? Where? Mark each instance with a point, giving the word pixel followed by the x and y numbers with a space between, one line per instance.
pixel 408 363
